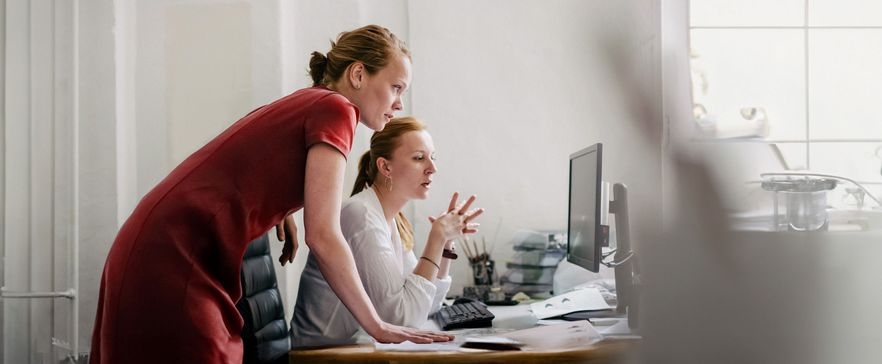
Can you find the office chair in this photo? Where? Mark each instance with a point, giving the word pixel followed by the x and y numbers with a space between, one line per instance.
pixel 265 334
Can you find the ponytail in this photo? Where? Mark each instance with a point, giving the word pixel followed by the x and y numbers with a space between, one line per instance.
pixel 363 179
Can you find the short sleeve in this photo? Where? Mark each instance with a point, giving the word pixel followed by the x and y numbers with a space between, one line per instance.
pixel 332 120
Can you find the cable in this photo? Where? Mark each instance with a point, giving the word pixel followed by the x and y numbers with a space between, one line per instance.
pixel 616 264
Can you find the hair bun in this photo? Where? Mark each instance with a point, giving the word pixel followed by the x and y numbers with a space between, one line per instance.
pixel 317 65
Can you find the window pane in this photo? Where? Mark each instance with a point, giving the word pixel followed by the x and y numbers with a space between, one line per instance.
pixel 752 68
pixel 845 12
pixel 857 161
pixel 845 83
pixel 794 155
pixel 747 12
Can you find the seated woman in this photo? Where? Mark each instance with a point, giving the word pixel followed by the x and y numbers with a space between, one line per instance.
pixel 404 290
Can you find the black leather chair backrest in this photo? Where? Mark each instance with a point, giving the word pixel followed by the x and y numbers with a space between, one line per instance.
pixel 265 334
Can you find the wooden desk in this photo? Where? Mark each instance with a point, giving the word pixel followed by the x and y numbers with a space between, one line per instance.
pixel 513 317
pixel 613 351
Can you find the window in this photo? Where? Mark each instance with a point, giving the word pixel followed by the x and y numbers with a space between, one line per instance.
pixel 812 69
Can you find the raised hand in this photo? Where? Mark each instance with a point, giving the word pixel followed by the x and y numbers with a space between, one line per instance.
pixel 457 220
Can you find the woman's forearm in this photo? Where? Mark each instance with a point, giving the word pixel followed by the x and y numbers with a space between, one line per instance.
pixel 429 263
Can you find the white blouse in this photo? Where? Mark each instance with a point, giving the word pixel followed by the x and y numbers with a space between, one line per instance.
pixel 386 270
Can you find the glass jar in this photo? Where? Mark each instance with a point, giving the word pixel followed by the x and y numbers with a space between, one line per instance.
pixel 804 200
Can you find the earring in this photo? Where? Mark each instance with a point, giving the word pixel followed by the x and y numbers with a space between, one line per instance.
pixel 389 183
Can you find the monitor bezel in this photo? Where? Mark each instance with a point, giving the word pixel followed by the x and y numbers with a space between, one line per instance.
pixel 592 264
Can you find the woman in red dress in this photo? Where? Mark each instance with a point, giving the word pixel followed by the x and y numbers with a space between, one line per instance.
pixel 171 279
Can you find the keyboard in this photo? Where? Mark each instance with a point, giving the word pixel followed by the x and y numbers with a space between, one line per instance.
pixel 464 316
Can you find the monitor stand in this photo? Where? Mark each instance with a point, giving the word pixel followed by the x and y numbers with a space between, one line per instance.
pixel 625 266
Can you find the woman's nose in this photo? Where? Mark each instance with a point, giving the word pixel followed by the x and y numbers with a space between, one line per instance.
pixel 432 167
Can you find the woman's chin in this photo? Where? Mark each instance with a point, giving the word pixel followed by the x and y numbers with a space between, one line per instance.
pixel 374 125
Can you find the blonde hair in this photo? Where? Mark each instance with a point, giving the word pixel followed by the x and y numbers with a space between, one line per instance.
pixel 383 144
pixel 372 45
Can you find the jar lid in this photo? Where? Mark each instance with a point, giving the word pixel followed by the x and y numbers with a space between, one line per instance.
pixel 799 184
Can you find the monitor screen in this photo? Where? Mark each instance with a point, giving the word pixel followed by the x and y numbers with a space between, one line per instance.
pixel 585 234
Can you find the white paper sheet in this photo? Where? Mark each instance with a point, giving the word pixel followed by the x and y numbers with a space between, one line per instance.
pixel 409 346
pixel 584 299
pixel 575 334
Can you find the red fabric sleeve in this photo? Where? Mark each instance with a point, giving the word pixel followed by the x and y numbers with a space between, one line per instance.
pixel 332 121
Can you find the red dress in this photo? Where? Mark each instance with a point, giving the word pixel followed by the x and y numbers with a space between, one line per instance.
pixel 171 279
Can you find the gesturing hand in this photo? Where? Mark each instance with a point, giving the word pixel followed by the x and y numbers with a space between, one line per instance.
pixel 457 220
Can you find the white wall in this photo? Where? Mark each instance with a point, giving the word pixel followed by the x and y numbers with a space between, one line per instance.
pixel 510 89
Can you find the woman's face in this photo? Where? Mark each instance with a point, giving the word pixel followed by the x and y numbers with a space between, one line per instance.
pixel 380 94
pixel 412 165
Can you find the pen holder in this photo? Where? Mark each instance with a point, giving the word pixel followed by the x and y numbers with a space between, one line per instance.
pixel 482 272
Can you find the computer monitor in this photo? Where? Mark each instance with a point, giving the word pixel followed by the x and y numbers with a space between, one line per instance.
pixel 586 235
pixel 588 231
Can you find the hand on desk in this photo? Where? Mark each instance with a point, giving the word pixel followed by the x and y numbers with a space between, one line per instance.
pixel 388 333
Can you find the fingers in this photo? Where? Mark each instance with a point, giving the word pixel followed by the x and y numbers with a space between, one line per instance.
pixel 280 230
pixel 284 258
pixel 453 199
pixel 469 216
pixel 457 219
pixel 471 228
pixel 287 231
pixel 397 334
pixel 285 227
pixel 288 252
pixel 428 336
pixel 419 339
pixel 440 336
pixel 466 204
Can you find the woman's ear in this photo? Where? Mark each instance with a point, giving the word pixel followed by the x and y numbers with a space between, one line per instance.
pixel 356 74
pixel 384 166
